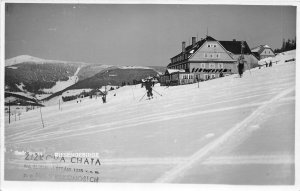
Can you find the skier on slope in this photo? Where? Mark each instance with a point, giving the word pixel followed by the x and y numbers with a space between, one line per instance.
pixel 241 66
pixel 148 85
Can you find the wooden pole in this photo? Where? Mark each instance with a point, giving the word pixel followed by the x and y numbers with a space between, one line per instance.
pixel 8 112
pixel 42 117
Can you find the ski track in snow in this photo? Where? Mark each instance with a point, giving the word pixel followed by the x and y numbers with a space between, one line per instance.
pixel 158 114
pixel 146 120
pixel 132 109
pixel 137 119
pixel 196 158
pixel 142 117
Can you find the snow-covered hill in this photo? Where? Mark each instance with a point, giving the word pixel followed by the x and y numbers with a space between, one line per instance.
pixel 22 59
pixel 40 76
pixel 31 59
pixel 242 127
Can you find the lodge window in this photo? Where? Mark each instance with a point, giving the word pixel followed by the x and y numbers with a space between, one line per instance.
pixel 205 55
pixel 211 55
pixel 202 65
pixel 221 65
pixel 212 65
pixel 206 76
pixel 211 45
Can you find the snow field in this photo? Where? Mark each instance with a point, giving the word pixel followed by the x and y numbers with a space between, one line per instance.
pixel 185 126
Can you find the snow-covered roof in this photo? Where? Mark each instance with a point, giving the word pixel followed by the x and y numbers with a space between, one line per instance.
pixel 255 49
pixel 134 67
pixel 260 49
pixel 75 92
pixel 170 71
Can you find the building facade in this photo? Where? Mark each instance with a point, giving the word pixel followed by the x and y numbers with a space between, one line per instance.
pixel 263 51
pixel 210 58
pixel 177 77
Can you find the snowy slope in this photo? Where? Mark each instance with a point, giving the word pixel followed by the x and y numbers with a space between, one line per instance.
pixel 60 85
pixel 190 134
pixel 280 58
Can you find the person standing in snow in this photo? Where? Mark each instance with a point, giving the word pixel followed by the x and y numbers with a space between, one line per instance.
pixel 148 85
pixel 104 98
pixel 241 66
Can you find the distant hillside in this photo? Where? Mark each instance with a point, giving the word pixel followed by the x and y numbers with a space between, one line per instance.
pixel 30 74
pixel 34 77
pixel 114 76
pixel 91 70
pixel 160 69
pixel 39 76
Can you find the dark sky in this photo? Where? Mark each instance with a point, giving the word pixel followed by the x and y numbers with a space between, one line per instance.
pixel 136 34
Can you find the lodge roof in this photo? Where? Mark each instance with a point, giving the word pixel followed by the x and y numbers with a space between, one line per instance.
pixel 189 50
pixel 231 46
pixel 235 47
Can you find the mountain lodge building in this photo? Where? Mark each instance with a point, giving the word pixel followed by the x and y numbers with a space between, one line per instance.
pixel 207 59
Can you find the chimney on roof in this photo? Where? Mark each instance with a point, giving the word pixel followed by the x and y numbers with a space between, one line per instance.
pixel 193 41
pixel 234 40
pixel 183 46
